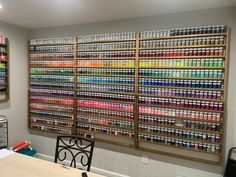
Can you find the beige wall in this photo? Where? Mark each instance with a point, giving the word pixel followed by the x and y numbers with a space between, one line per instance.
pixel 16 108
pixel 129 161
pixel 108 157
pixel 122 160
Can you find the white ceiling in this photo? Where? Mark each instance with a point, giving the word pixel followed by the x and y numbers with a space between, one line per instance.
pixel 46 13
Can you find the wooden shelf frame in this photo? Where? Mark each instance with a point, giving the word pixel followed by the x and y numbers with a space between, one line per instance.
pixel 187 88
pixel 72 112
pixel 100 132
pixel 106 100
pixel 179 128
pixel 183 47
pixel 52 59
pixel 178 137
pixel 185 57
pixel 181 97
pixel 106 75
pixel 62 51
pixel 6 93
pixel 105 125
pixel 125 93
pixel 182 67
pixel 180 78
pixel 104 50
pixel 180 148
pixel 106 117
pixel 182 118
pixel 135 142
pixel 51 117
pixel 56 44
pixel 105 41
pixel 186 36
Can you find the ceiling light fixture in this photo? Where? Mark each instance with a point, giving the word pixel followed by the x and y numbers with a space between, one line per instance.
pixel 0 6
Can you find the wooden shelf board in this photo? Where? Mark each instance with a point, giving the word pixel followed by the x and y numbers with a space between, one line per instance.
pixel 4 100
pixel 182 138
pixel 183 57
pixel 62 51
pixel 50 117
pixel 106 41
pixel 50 95
pixel 47 131
pixel 114 142
pixel 185 36
pixel 71 112
pixel 105 84
pixel 105 67
pixel 182 118
pixel 106 100
pixel 51 44
pixel 32 66
pixel 180 97
pixel 98 132
pixel 123 93
pixel 178 147
pixel 53 125
pixel 3 45
pixel 51 88
pixel 106 58
pixel 51 81
pixel 51 103
pixel 106 75
pixel 124 58
pixel 188 88
pixel 53 74
pixel 182 78
pixel 105 116
pixel 105 125
pixel 51 59
pixel 183 47
pixel 191 67
pixel 173 107
pixel 179 128
pixel 185 157
pixel 101 50
pixel 117 110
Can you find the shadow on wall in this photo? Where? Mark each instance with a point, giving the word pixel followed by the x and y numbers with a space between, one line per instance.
pixel 139 154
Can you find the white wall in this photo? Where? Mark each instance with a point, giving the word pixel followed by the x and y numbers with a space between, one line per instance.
pixel 16 108
pixel 127 161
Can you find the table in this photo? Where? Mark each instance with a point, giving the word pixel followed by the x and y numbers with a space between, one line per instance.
pixel 18 165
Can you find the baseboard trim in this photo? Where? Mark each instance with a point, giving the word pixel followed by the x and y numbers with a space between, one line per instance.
pixel 93 169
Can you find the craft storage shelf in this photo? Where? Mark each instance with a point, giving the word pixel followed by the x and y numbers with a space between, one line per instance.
pixel 51 83
pixel 182 92
pixel 4 69
pixel 106 87
pixel 3 132
pixel 161 91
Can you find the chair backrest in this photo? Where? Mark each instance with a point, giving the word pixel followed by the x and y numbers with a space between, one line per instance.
pixel 230 169
pixel 78 151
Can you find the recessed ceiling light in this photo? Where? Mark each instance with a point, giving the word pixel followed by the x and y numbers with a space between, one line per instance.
pixel 0 6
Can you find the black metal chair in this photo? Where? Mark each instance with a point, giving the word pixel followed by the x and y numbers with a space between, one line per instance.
pixel 74 149
pixel 230 169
